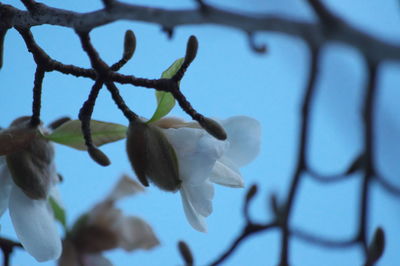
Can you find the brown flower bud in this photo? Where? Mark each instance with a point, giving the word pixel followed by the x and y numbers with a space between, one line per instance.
pixel 98 156
pixel 152 156
pixel 129 45
pixel 31 167
pixel 213 128
pixel 191 49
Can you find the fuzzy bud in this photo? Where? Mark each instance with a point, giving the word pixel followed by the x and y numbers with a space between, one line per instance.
pixel 152 156
pixel 191 49
pixel 98 156
pixel 129 45
pixel 213 128
pixel 32 167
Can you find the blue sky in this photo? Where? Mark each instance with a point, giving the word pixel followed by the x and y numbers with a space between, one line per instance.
pixel 228 79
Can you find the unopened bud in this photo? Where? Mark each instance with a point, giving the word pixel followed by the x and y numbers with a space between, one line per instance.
pixel 32 167
pixel 185 253
pixel 213 128
pixel 152 156
pixel 129 45
pixel 377 246
pixel 98 156
pixel 251 193
pixel 191 49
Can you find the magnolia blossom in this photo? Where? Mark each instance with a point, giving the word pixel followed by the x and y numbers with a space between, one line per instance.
pixel 32 219
pixel 105 227
pixel 204 160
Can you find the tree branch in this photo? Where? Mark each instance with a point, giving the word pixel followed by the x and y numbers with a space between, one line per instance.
pixel 372 47
pixel 301 156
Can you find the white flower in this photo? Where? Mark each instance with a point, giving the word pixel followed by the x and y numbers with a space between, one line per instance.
pixel 204 160
pixel 32 167
pixel 32 219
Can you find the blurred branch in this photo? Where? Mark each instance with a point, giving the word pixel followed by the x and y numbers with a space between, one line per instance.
pixel 249 229
pixel 369 168
pixel 327 179
pixel 323 242
pixel 7 246
pixel 301 154
pixel 372 47
pixel 381 180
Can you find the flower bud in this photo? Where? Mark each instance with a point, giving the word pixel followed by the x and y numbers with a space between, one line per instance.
pixel 129 45
pixel 98 156
pixel 185 253
pixel 152 156
pixel 213 128
pixel 32 167
pixel 376 247
pixel 191 49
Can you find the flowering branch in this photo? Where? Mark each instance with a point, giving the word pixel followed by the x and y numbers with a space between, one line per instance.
pixel 329 27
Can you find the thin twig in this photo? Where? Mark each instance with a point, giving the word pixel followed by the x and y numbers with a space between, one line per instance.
pixel 323 242
pixel 327 179
pixel 301 155
pixel 369 171
pixel 37 95
pixel 389 187
pixel 250 229
pixel 86 112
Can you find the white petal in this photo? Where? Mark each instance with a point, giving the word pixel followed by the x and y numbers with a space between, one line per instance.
pixel 197 153
pixel 225 173
pixel 34 226
pixel 244 136
pixel 95 259
pixel 135 233
pixel 184 140
pixel 196 220
pixel 200 197
pixel 125 187
pixel 5 185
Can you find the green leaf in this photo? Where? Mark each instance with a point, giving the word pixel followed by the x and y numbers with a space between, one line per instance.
pixel 70 133
pixel 165 100
pixel 171 71
pixel 59 212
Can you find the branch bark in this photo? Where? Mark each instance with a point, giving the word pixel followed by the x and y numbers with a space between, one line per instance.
pixel 372 47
